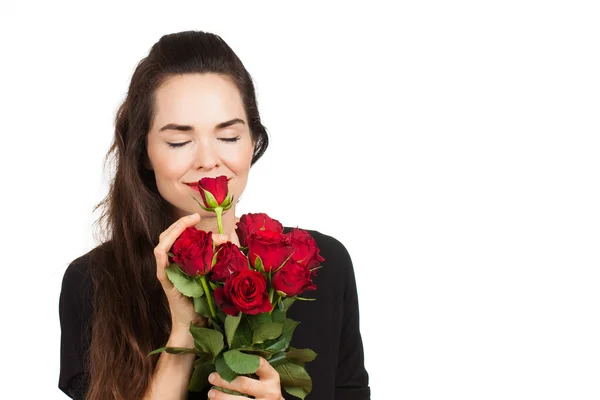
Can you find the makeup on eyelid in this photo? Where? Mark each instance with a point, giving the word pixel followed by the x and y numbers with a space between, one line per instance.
pixel 228 140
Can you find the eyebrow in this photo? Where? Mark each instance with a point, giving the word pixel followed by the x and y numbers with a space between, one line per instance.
pixel 185 128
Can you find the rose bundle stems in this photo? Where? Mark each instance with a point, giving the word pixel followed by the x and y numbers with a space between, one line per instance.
pixel 209 297
pixel 245 291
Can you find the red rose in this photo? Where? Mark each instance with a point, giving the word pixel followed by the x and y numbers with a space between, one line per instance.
pixel 272 248
pixel 229 259
pixel 249 223
pixel 244 291
pixel 193 251
pixel 306 251
pixel 293 279
pixel 217 187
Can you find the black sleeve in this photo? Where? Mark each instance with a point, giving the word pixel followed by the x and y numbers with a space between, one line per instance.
pixel 74 310
pixel 352 379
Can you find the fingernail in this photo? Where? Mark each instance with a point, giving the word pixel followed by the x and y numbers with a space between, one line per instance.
pixel 211 394
pixel 211 377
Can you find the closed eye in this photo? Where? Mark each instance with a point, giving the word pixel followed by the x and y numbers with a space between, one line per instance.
pixel 177 144
pixel 229 140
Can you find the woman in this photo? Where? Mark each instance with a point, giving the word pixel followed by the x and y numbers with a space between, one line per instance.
pixel 190 113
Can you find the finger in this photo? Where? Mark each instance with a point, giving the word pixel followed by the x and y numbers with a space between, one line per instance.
pixel 182 220
pixel 219 239
pixel 242 384
pixel 179 226
pixel 266 371
pixel 161 265
pixel 216 394
pixel 171 234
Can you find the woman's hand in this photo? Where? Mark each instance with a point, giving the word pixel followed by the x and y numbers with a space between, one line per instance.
pixel 268 387
pixel 182 307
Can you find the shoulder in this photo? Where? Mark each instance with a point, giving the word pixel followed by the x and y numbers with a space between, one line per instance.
pixel 79 269
pixel 76 282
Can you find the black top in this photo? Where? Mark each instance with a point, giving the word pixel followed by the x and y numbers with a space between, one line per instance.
pixel 329 326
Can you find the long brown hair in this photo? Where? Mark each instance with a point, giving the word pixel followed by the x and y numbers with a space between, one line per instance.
pixel 131 316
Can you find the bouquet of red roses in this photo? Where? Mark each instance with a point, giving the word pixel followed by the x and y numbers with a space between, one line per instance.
pixel 245 293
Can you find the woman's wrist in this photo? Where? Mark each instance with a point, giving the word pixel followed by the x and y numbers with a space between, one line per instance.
pixel 180 337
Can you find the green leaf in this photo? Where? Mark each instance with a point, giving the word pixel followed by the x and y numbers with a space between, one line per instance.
pixel 278 359
pixel 201 307
pixel 241 363
pixel 274 346
pixel 258 264
pixel 278 314
pixel 231 324
pixel 287 302
pixel 210 199
pixel 182 350
pixel 178 350
pixel 214 259
pixel 209 340
pixel 282 342
pixel 267 331
pixel 157 351
pixel 223 369
pixel 303 298
pixel 221 315
pixel 260 352
pixel 199 378
pixel 296 391
pixel 201 204
pixel 302 355
pixel 187 285
pixel 243 335
pixel 289 326
pixel 294 375
pixel 258 320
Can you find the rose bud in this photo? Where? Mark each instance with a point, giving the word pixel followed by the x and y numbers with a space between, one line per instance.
pixel 193 251
pixel 272 248
pixel 229 259
pixel 251 222
pixel 215 193
pixel 306 251
pixel 244 291
pixel 292 279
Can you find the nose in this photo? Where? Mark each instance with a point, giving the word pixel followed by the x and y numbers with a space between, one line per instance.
pixel 207 156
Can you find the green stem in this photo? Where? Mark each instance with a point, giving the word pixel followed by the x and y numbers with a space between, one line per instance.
pixel 271 291
pixel 206 288
pixel 274 303
pixel 278 359
pixel 219 212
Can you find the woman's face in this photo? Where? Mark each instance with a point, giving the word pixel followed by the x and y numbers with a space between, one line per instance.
pixel 203 115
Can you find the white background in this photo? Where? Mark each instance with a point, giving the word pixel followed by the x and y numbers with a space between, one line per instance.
pixel 452 147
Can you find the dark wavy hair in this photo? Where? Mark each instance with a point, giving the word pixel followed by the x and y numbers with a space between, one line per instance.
pixel 131 316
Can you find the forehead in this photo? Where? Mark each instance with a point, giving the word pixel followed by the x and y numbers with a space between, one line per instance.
pixel 197 99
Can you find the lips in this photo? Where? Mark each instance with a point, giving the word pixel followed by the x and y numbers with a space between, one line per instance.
pixel 194 185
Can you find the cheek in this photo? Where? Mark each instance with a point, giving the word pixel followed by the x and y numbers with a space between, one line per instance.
pixel 238 158
pixel 169 166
